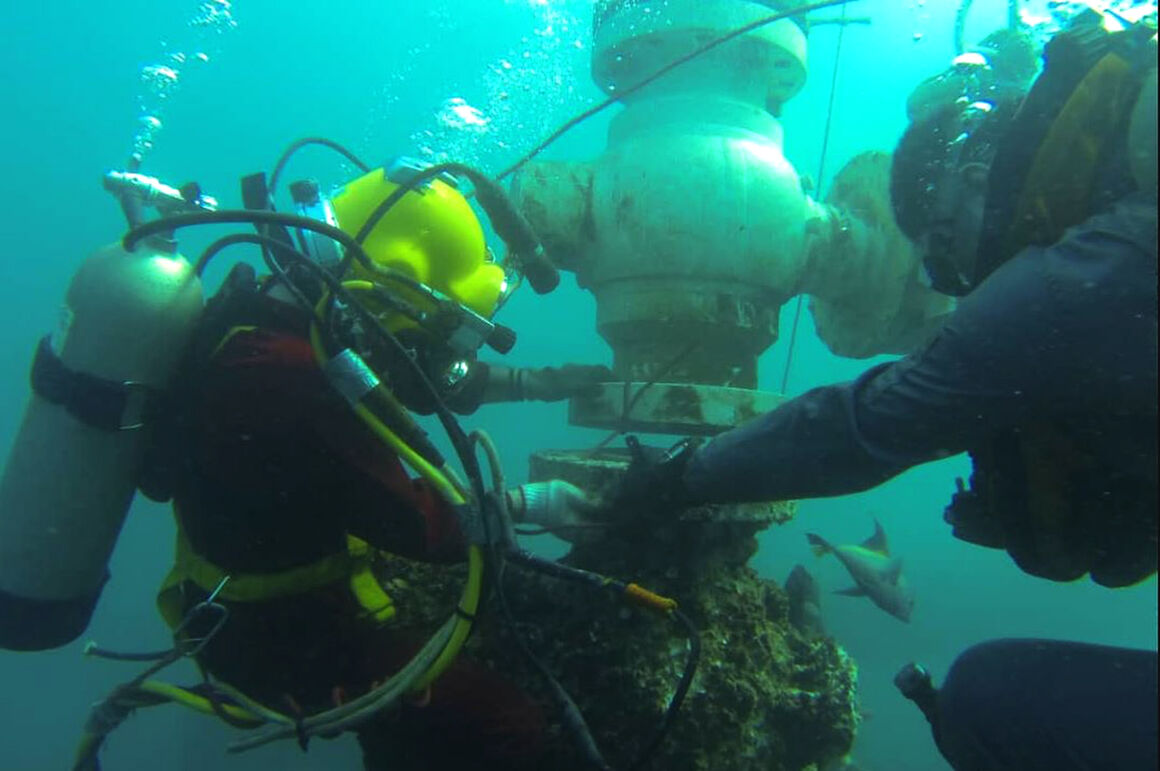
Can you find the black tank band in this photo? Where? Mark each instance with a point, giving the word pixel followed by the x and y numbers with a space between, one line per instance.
pixel 105 404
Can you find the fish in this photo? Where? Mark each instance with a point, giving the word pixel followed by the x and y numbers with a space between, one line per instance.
pixel 876 574
pixel 805 602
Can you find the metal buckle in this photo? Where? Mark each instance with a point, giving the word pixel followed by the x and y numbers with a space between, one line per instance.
pixel 136 409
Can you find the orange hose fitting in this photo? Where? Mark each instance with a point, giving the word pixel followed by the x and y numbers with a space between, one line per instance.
pixel 639 595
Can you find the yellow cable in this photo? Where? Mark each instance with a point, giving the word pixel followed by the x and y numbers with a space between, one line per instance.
pixel 469 605
pixel 87 749
pixel 186 698
pixel 409 456
pixel 446 485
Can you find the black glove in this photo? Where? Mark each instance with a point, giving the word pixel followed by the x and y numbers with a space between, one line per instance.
pixel 654 485
pixel 553 384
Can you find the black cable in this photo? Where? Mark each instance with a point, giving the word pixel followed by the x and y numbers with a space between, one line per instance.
pixel 570 714
pixel 389 202
pixel 270 245
pixel 241 217
pixel 626 409
pixel 585 115
pixel 797 311
pixel 678 696
pixel 103 653
pixel 597 581
pixel 294 147
pixel 257 218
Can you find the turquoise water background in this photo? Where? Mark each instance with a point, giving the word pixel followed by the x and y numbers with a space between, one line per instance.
pixel 374 75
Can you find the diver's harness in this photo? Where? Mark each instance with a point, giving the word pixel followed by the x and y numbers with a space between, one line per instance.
pixel 484 518
pixel 1030 490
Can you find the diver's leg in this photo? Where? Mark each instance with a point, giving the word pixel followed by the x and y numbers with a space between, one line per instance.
pixel 1031 705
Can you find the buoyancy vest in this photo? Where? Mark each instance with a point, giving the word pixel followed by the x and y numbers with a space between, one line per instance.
pixel 1039 491
pixel 1065 154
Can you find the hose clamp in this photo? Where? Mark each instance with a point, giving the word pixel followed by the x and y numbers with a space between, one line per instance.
pixel 351 376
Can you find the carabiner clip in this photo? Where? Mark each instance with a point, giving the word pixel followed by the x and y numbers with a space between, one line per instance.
pixel 209 607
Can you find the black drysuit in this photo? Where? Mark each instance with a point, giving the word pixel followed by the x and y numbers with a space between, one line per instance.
pixel 1062 335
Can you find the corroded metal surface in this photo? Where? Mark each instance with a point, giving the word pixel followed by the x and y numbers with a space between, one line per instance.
pixel 670 408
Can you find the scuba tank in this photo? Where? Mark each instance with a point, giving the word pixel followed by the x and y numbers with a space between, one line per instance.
pixel 74 465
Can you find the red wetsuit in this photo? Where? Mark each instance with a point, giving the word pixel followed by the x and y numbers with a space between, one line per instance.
pixel 275 471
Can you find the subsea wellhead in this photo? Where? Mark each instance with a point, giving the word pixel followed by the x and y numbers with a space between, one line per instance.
pixel 692 228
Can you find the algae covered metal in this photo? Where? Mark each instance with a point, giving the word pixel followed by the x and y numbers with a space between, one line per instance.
pixel 765 697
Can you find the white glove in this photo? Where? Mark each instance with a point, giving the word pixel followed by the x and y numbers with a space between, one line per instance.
pixel 557 506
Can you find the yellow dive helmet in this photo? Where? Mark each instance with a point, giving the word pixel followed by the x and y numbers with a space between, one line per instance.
pixel 429 255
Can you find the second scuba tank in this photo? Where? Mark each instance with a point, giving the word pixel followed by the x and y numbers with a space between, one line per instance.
pixel 74 465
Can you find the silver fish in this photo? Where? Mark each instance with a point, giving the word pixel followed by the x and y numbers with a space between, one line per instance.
pixel 876 574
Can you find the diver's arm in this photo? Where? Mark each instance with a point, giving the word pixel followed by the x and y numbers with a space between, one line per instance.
pixel 1048 333
pixel 405 516
pixel 809 447
pixel 984 369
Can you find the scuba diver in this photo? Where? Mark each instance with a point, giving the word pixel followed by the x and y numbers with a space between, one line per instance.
pixel 279 485
pixel 280 438
pixel 1038 209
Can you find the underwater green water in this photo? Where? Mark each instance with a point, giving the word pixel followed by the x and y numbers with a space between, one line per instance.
pixel 376 75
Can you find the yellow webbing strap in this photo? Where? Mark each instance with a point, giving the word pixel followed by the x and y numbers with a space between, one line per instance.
pixel 446 486
pixel 354 565
pixel 364 584
pixel 229 335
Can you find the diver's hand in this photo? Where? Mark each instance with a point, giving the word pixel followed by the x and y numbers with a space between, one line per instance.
pixel 653 485
pixel 561 508
pixel 553 384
